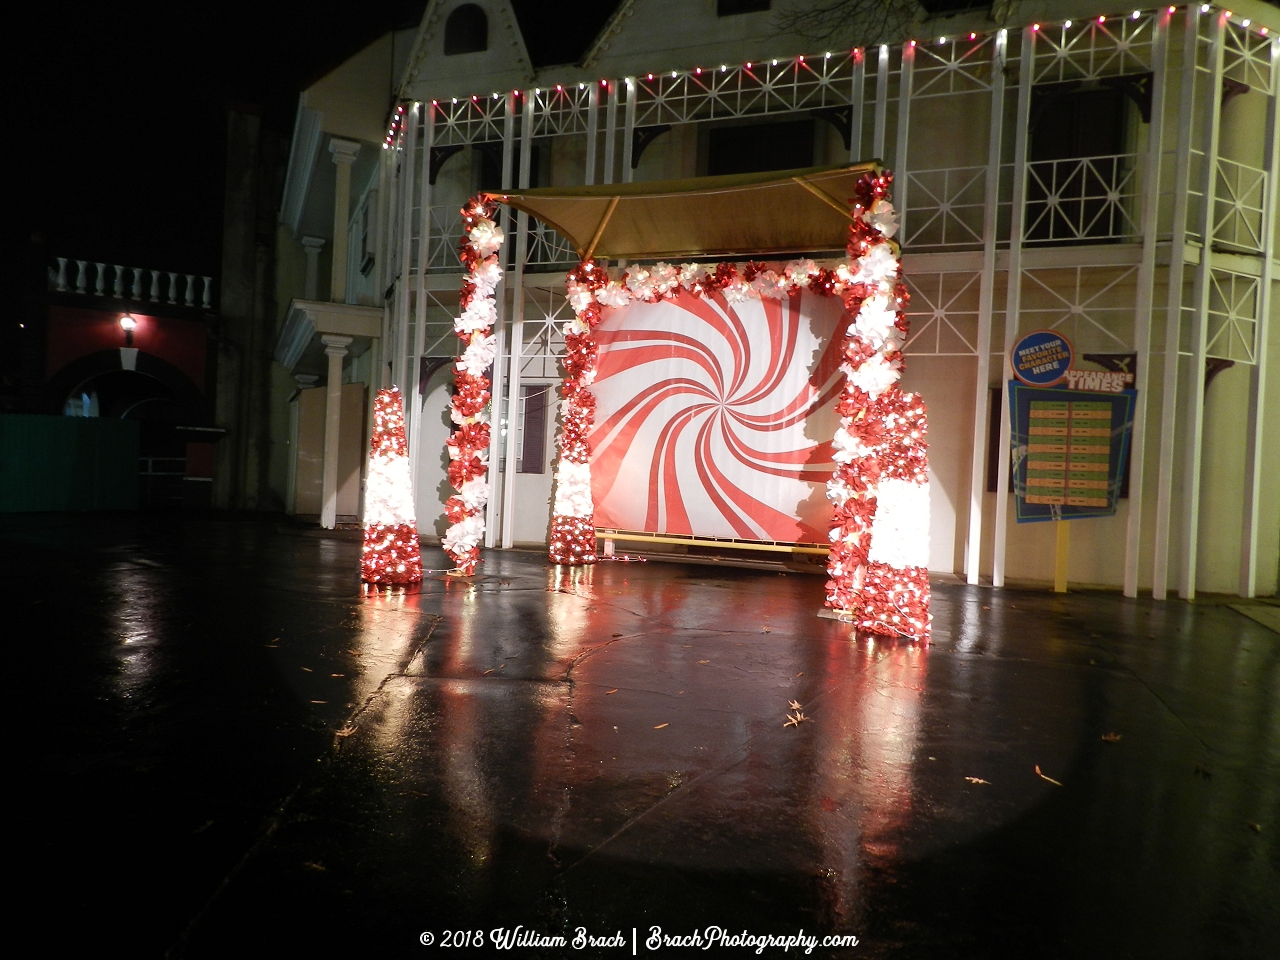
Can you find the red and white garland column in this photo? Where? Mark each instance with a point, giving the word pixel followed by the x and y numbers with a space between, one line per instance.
pixel 468 446
pixel 573 529
pixel 391 553
pixel 880 492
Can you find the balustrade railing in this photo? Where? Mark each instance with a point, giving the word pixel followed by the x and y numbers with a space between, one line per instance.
pixel 1240 199
pixel 544 248
pixel 1084 200
pixel 90 278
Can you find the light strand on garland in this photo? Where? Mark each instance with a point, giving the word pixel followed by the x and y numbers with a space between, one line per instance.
pixel 468 446
pixel 879 537
pixel 573 532
pixel 391 553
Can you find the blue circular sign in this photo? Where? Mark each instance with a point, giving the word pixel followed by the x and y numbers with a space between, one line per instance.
pixel 1041 358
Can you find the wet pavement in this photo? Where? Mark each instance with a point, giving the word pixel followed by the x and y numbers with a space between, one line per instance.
pixel 226 751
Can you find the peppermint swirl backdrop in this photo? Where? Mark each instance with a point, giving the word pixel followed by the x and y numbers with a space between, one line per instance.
pixel 715 419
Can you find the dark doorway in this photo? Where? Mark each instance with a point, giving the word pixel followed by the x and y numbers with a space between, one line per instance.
pixel 1068 201
pixel 162 449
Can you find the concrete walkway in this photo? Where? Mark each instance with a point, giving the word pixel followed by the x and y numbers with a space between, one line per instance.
pixel 234 754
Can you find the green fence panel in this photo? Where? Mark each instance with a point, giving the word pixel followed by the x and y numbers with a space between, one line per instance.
pixel 67 463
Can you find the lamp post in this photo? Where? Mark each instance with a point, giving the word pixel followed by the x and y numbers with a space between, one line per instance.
pixel 128 324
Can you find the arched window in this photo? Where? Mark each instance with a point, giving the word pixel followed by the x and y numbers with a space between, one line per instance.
pixel 466 30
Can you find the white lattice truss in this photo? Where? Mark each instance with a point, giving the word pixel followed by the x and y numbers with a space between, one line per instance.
pixel 1090 198
pixel 1246 57
pixel 1093 48
pixel 945 207
pixel 1232 316
pixel 1071 300
pixel 943 314
pixel 952 66
pixel 545 313
pixel 1240 201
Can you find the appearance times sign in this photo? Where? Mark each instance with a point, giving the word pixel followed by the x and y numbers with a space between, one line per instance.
pixel 1068 445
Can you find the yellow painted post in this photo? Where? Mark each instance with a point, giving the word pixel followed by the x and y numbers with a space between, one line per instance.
pixel 1063 530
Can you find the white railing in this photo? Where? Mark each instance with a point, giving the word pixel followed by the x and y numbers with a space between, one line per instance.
pixel 945 207
pixel 1082 200
pixel 1240 199
pixel 545 248
pixel 90 278
pixel 548 249
pixel 446 232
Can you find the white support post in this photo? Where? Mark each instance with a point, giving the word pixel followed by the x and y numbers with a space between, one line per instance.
pixel 855 104
pixel 335 348
pixel 409 154
pixel 986 297
pixel 1211 104
pixel 1143 302
pixel 493 475
pixel 882 103
pixel 628 130
pixel 1173 309
pixel 382 247
pixel 344 155
pixel 1013 300
pixel 593 133
pixel 900 148
pixel 517 338
pixel 1258 375
pixel 82 277
pixel 610 131
pixel 413 402
pixel 99 285
pixel 311 247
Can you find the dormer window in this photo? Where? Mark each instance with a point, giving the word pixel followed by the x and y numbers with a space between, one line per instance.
pixel 466 30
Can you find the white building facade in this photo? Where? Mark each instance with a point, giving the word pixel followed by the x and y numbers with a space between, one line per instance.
pixel 1109 174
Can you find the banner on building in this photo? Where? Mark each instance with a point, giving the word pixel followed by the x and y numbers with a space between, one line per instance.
pixel 1069 449
pixel 715 419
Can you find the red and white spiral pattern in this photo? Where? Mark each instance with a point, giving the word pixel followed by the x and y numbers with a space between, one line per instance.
pixel 714 419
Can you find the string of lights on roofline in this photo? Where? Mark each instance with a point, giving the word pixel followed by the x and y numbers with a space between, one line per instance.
pixel 398 117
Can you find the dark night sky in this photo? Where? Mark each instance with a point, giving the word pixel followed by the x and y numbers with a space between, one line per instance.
pixel 120 115
pixel 121 111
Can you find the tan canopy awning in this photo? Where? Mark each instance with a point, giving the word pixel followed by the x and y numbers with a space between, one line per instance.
pixel 781 211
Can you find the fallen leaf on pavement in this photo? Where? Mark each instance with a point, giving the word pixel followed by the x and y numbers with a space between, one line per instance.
pixel 1111 737
pixel 487 672
pixel 308 670
pixel 346 731
pixel 794 705
pixel 795 719
pixel 1253 826
pixel 704 661
pixel 661 725
pixel 1043 777
pixel 614 690
pixel 977 780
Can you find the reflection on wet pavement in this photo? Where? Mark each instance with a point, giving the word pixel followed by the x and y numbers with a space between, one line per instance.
pixel 240 749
